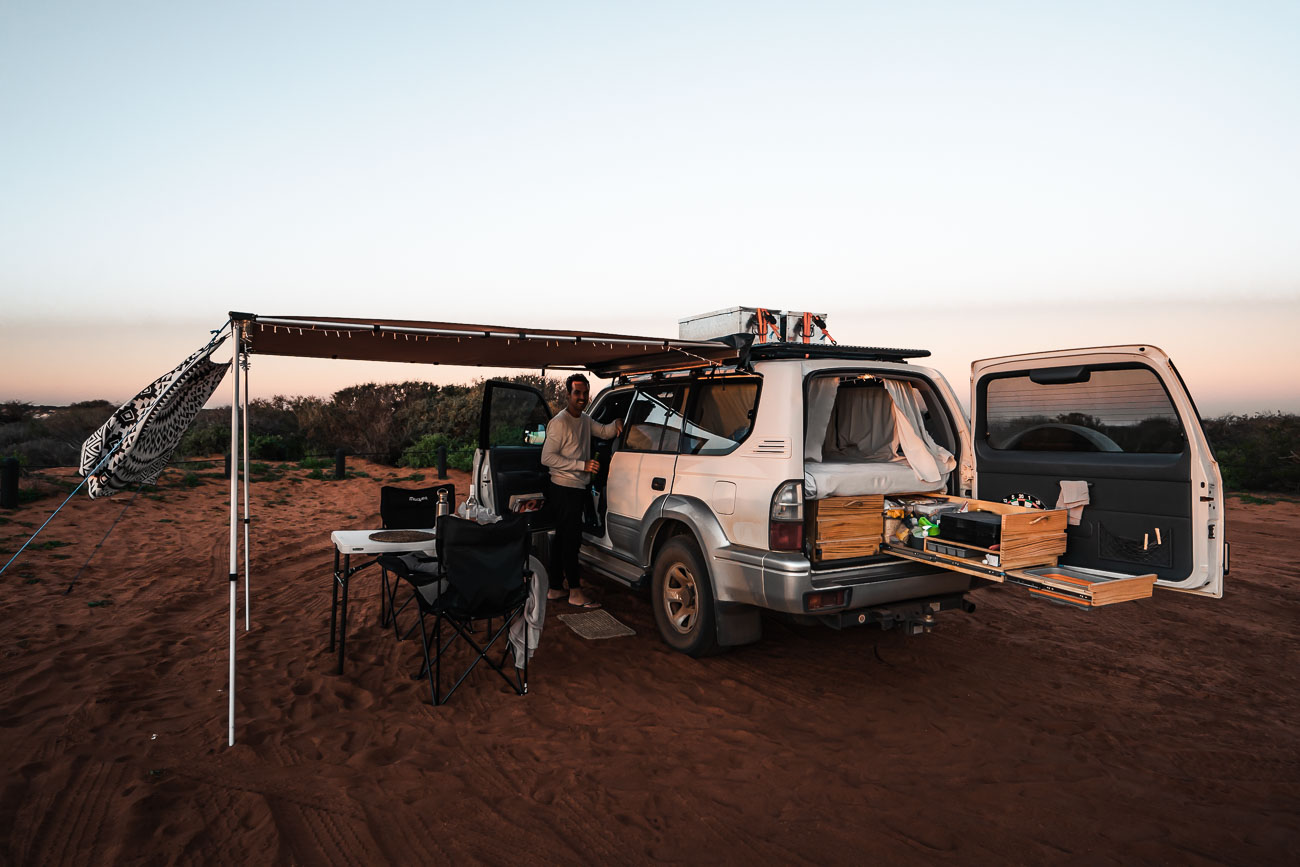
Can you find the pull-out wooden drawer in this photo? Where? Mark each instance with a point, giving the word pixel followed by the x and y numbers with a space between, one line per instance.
pixel 1028 537
pixel 846 527
pixel 1088 588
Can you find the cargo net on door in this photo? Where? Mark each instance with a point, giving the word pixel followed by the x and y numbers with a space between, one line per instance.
pixel 1154 548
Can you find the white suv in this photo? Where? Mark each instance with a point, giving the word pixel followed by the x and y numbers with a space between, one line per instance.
pixel 704 495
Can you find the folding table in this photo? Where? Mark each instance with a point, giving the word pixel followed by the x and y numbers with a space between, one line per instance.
pixel 347 543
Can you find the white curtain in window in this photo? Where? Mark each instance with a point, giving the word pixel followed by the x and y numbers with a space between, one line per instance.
pixel 929 460
pixel 821 401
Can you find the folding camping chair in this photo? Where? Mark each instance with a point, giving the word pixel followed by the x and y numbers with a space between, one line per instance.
pixel 407 509
pixel 485 567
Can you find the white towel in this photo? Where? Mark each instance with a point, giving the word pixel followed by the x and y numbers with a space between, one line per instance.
pixel 1074 496
pixel 534 615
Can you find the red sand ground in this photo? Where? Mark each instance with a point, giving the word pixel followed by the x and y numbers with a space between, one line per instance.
pixel 1160 731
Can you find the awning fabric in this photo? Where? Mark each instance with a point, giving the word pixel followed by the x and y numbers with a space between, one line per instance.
pixel 474 345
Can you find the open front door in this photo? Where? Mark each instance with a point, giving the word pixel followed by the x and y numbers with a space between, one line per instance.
pixel 1120 420
pixel 508 471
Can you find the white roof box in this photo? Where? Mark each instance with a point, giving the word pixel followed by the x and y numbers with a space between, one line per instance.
pixel 768 324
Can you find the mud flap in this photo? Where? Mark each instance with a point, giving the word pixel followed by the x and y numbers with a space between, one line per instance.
pixel 738 624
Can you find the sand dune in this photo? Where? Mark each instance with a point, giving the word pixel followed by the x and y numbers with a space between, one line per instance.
pixel 1159 731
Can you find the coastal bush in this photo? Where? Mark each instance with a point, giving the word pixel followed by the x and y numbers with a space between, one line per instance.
pixel 46 452
pixel 205 437
pixel 275 447
pixel 1258 452
pixel 424 453
pixel 12 411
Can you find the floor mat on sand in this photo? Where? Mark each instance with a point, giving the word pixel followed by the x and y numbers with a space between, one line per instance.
pixel 596 624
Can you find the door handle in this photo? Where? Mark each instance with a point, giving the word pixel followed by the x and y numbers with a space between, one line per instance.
pixel 659 483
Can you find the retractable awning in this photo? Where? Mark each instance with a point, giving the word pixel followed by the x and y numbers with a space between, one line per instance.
pixel 475 345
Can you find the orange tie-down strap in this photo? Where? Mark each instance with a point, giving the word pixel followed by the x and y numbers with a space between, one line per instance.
pixel 1066 578
pixel 1072 600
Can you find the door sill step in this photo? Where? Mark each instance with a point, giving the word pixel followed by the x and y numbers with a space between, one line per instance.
pixel 611 565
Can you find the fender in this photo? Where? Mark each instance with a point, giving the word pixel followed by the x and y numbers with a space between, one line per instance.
pixel 735 571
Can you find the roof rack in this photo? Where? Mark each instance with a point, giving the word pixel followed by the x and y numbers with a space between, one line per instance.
pixel 746 353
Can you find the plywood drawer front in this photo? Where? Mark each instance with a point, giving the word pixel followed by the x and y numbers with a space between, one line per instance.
pixel 839 517
pixel 847 527
pixel 1032 524
pixel 845 549
pixel 850 525
pixel 874 503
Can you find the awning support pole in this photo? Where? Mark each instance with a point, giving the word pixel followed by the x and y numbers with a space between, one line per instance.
pixel 234 535
pixel 248 598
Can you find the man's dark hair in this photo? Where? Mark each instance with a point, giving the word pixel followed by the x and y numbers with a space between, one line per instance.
pixel 575 377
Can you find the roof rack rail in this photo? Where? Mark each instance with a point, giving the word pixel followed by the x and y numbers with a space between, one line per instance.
pixel 710 371
pixel 763 351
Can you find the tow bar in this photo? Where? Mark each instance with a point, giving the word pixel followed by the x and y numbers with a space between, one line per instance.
pixel 916 616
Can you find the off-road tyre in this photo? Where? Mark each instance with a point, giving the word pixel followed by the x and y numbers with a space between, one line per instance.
pixel 682 597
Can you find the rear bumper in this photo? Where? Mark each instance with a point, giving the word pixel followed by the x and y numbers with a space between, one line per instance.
pixel 782 581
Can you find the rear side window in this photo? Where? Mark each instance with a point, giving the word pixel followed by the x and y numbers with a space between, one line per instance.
pixel 655 421
pixel 720 416
pixel 1117 409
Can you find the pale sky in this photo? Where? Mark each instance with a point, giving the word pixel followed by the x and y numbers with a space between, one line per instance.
pixel 975 179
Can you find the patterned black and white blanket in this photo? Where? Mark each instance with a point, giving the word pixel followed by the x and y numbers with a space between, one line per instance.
pixel 150 425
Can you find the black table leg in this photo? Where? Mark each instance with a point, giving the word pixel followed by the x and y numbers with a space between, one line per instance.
pixel 334 601
pixel 343 614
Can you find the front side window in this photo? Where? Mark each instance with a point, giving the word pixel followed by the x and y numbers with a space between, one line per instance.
pixel 613 406
pixel 720 416
pixel 1124 409
pixel 655 421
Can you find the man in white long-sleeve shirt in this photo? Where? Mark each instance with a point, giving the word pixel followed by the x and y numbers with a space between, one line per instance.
pixel 567 453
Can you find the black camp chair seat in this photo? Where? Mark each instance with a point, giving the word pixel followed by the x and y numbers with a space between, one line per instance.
pixel 485 567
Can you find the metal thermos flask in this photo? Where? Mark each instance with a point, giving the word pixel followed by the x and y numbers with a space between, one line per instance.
pixel 444 504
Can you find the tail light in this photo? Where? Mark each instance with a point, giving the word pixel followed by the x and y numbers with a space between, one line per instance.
pixel 825 599
pixel 785 522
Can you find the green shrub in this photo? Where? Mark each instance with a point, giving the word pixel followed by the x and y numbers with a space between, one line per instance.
pixel 424 452
pixel 275 447
pixel 462 458
pixel 47 452
pixel 205 439
pixel 1257 453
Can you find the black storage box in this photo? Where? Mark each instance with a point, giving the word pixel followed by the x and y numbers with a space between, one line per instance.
pixel 974 528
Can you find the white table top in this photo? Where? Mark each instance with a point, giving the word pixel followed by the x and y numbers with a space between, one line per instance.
pixel 359 542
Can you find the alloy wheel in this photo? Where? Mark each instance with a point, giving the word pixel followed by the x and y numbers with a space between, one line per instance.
pixel 681 598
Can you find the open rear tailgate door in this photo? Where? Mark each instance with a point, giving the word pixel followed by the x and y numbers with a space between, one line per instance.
pixel 1119 422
